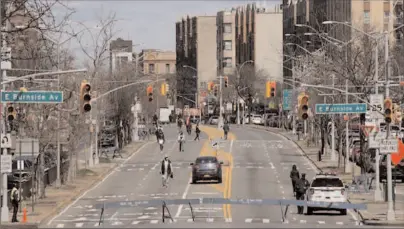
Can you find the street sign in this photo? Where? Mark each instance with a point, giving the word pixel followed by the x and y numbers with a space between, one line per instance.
pixel 32 97
pixel 341 108
pixel 388 146
pixel 287 100
pixel 5 141
pixel 20 165
pixel 6 163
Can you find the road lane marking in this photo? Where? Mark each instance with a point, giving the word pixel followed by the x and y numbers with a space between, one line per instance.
pixel 116 223
pixel 321 222
pixel 248 220
pixel 154 221
pixel 135 222
pixel 340 223
pixel 303 221
pixel 79 224
pixel 272 165
pixel 98 184
pixel 190 220
pixel 205 193
pixel 210 220
pixel 144 217
pixel 265 221
pixel 60 225
pixel 184 195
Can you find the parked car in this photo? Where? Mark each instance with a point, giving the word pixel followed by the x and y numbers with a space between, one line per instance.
pixel 273 121
pixel 256 119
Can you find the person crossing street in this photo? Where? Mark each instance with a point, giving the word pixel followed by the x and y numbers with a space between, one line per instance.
pixel 226 129
pixel 181 141
pixel 166 171
pixel 294 176
pixel 197 132
pixel 301 187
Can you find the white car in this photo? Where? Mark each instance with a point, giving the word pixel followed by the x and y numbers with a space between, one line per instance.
pixel 256 119
pixel 326 188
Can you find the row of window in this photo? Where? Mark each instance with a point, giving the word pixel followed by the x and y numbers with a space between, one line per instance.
pixel 152 68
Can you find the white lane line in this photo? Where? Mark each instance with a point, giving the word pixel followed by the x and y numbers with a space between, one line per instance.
pixel 190 220
pixel 144 217
pixel 116 223
pixel 60 225
pixel 321 222
pixel 97 224
pixel 210 220
pixel 303 221
pixel 265 220
pixel 340 223
pixel 205 193
pixel 79 224
pixel 248 220
pixel 98 184
pixel 228 220
pixel 154 221
pixel 272 165
pixel 135 222
pixel 184 195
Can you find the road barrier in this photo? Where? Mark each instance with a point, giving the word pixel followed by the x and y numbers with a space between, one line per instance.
pixel 282 203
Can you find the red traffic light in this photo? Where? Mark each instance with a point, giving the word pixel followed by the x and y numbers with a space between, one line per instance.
pixel 87 87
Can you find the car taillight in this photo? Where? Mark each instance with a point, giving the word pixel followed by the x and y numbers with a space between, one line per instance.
pixel 311 191
pixel 342 191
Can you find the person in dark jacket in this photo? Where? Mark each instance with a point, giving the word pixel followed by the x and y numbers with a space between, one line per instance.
pixel 15 201
pixel 301 187
pixel 226 129
pixel 166 171
pixel 294 176
pixel 197 132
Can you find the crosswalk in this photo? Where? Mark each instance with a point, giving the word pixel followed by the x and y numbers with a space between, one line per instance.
pixel 128 223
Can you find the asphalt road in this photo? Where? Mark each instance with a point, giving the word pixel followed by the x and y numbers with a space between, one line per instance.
pixel 257 165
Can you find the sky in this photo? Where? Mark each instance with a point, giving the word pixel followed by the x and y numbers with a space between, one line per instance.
pixel 150 23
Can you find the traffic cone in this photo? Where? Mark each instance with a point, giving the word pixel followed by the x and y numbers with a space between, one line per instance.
pixel 24 215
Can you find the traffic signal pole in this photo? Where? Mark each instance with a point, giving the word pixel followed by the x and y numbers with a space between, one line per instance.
pixel 220 123
pixel 390 210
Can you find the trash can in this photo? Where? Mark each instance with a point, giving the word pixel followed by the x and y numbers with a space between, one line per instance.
pixel 385 189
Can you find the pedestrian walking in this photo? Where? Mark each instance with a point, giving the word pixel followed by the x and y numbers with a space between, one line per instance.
pixel 294 176
pixel 301 187
pixel 181 140
pixel 226 129
pixel 197 132
pixel 15 202
pixel 166 171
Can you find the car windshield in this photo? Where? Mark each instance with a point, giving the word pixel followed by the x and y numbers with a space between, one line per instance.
pixel 327 182
pixel 205 160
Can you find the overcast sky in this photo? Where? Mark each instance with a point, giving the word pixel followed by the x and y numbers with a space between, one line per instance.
pixel 148 22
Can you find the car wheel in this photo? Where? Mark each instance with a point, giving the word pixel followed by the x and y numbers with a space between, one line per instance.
pixel 343 212
pixel 219 179
pixel 309 211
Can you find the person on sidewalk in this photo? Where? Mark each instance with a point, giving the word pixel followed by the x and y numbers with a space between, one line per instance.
pixel 301 187
pixel 15 201
pixel 226 129
pixel 181 141
pixel 197 132
pixel 294 176
pixel 166 171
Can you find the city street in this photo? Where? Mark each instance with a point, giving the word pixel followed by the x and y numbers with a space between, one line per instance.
pixel 260 163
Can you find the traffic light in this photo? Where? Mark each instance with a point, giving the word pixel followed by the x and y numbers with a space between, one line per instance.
pixel 163 89
pixel 215 90
pixel 268 89
pixel 273 88
pixel 388 108
pixel 226 81
pixel 149 92
pixel 11 113
pixel 85 96
pixel 210 86
pixel 303 101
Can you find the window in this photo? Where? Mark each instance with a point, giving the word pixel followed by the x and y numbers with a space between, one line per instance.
pixel 227 62
pixel 167 68
pixel 327 182
pixel 366 17
pixel 151 68
pixel 227 45
pixel 227 28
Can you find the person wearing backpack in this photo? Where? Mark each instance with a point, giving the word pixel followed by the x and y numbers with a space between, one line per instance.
pixel 301 187
pixel 197 132
pixel 15 201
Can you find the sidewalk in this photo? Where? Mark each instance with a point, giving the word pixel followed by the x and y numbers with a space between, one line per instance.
pixel 376 211
pixel 59 198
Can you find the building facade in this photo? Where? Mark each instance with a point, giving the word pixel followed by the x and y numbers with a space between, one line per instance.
pixel 196 62
pixel 259 39
pixel 158 62
pixel 226 42
pixel 365 15
pixel 120 54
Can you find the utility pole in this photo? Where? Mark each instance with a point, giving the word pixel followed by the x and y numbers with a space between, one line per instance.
pixel 136 122
pixel 294 91
pixel 58 181
pixel 347 163
pixel 390 210
pixel 378 192
pixel 220 123
pixel 333 156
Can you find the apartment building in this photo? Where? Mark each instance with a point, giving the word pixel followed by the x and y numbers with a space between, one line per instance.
pixel 120 54
pixel 366 15
pixel 259 39
pixel 154 61
pixel 226 42
pixel 196 55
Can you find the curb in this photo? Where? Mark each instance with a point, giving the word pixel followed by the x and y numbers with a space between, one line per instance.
pixel 383 223
pixel 62 205
pixel 287 137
